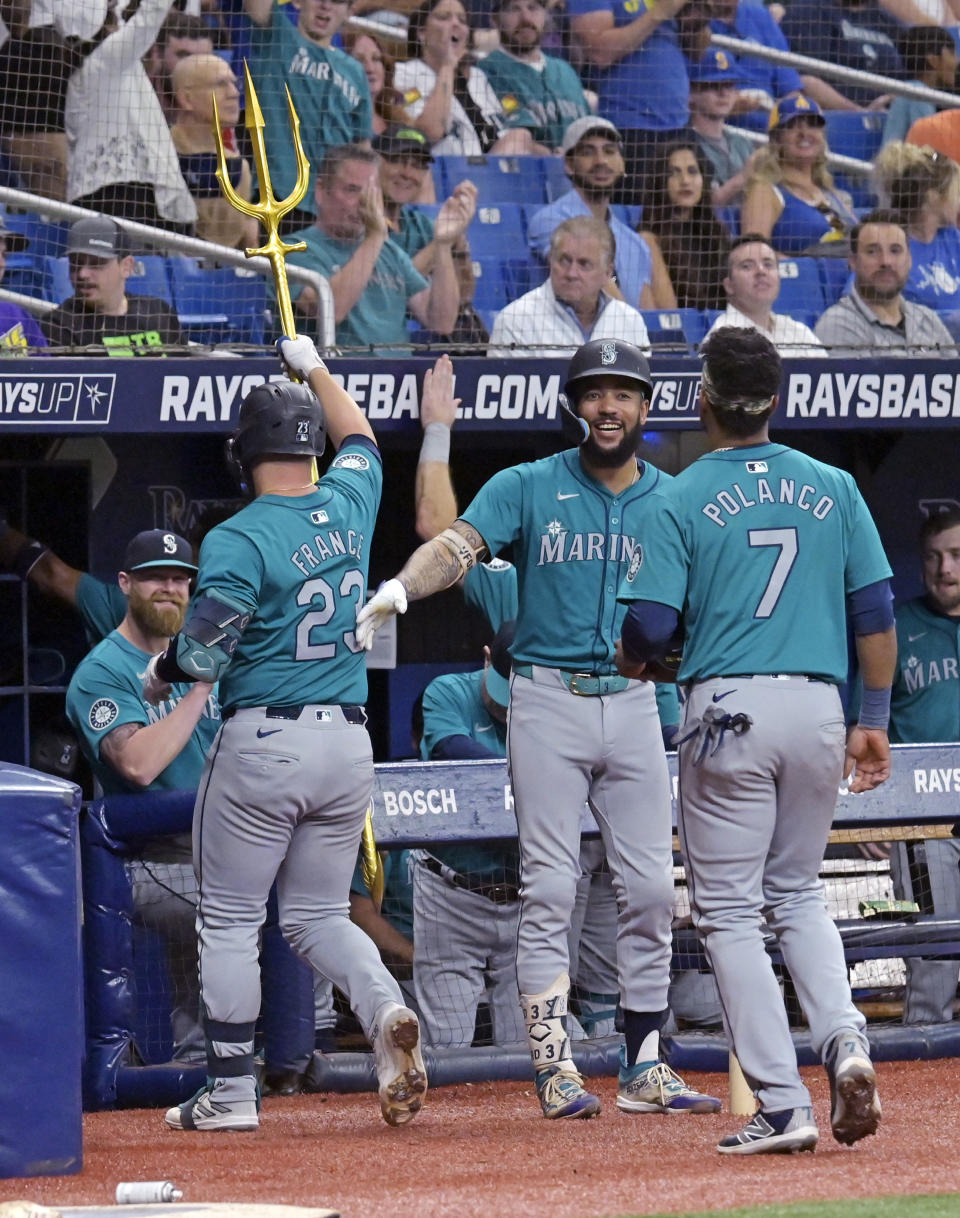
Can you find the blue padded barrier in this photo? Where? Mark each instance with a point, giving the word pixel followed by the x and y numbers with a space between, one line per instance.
pixel 41 1015
pixel 111 829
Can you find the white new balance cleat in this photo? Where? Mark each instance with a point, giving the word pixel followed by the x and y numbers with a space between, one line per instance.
pixel 401 1074
pixel 774 1133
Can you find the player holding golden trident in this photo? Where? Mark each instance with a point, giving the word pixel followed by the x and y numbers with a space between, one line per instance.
pixel 270 211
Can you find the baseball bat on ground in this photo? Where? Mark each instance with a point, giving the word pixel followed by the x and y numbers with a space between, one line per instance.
pixel 742 1100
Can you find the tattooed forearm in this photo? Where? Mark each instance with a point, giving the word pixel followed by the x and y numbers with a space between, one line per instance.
pixel 111 747
pixel 439 563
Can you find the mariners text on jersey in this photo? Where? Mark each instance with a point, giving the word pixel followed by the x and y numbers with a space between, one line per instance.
pixel 305 557
pixel 302 65
pixel 559 545
pixel 732 501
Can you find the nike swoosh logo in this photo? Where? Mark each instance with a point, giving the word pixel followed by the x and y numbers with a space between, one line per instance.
pixel 726 694
pixel 912 638
pixel 478 728
pixel 272 732
pixel 575 495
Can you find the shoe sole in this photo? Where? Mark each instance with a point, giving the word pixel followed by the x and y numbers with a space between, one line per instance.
pixel 856 1110
pixel 700 1106
pixel 402 1098
pixel 780 1144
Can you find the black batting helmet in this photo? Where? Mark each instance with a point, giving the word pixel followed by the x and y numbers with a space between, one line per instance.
pixel 277 419
pixel 607 357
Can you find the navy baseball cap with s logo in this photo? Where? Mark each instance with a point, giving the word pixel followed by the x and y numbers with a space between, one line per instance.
pixel 159 548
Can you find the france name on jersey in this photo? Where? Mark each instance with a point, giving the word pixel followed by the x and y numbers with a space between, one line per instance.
pixel 299 564
pixel 758 547
pixel 106 692
pixel 572 541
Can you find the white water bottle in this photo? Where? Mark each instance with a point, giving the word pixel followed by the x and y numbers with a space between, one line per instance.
pixel 145 1192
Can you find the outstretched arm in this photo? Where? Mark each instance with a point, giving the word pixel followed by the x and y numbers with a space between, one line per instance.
pixel 435 499
pixel 436 565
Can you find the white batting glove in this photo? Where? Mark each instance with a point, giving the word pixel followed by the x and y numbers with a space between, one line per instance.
pixel 389 598
pixel 299 355
pixel 155 689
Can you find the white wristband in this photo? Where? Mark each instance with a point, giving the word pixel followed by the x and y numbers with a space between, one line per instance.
pixel 436 443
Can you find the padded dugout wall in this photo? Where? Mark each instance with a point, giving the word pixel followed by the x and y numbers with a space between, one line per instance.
pixel 41 1015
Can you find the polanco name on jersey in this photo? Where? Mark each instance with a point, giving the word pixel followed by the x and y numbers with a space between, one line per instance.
pixel 57 398
pixel 873 395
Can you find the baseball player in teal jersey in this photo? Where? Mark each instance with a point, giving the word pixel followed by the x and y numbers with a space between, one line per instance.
pixel 576 729
pixel 133 747
pixel 764 551
pixel 466 897
pixel 925 706
pixel 290 775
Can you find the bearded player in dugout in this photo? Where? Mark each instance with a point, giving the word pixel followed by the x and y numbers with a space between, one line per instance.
pixel 577 730
pixel 288 779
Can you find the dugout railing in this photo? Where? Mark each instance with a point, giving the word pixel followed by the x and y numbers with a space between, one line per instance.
pixel 419 804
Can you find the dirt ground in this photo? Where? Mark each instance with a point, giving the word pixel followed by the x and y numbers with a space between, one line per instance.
pixel 481 1150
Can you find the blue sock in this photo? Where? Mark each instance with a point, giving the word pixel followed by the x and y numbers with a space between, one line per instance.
pixel 637 1026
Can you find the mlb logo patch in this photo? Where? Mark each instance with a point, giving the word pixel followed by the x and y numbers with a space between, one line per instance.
pixel 319 517
pixel 757 467
pixel 324 716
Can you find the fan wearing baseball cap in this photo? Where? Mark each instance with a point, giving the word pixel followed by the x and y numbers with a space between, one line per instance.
pixel 18 328
pixel 715 82
pixel 523 78
pixel 101 314
pixel 593 158
pixel 133 747
pixel 791 199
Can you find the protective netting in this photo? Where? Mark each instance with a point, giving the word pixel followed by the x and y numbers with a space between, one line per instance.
pixel 461 928
pixel 542 173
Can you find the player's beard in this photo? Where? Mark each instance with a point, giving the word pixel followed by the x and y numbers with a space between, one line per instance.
pixel 610 458
pixel 154 620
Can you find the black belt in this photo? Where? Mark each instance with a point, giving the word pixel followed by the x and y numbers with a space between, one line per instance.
pixel 499 894
pixel 353 714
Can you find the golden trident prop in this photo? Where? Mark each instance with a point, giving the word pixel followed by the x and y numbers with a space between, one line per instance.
pixel 270 211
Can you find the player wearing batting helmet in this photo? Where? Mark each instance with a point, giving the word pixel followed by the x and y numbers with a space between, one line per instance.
pixel 287 783
pixel 768 553
pixel 577 731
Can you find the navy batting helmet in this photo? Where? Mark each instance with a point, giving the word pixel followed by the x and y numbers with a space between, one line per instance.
pixel 277 419
pixel 607 357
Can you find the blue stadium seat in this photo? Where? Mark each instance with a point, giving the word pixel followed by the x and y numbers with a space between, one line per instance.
pixel 520 275
pixel 729 217
pixel 555 177
pixel 801 289
pixel 150 278
pixel 58 278
pixel 48 239
pixel 667 327
pixel 856 133
pixel 491 286
pixel 498 179
pixel 834 274
pixel 224 304
pixel 498 229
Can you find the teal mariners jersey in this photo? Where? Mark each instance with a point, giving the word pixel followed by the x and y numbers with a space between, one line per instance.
pixel 415 231
pixel 102 607
pixel 299 565
pixel 925 705
pixel 491 587
pixel 571 541
pixel 329 91
pixel 105 693
pixel 758 548
pixel 453 706
pixel 397 905
pixel 551 94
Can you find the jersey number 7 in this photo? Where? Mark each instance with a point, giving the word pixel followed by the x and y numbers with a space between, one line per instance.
pixel 786 541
